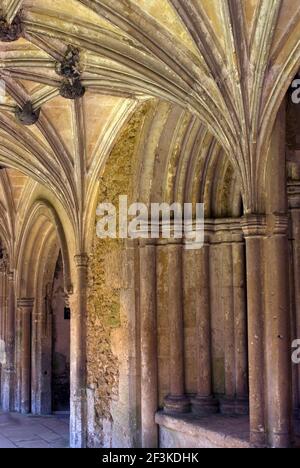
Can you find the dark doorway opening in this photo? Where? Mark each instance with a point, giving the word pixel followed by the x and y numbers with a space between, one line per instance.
pixel 60 343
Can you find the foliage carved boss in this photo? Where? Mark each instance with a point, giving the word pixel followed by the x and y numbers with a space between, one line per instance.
pixel 10 32
pixel 69 68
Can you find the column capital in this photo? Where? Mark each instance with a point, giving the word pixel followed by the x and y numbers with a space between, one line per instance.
pixel 228 231
pixel 254 225
pixel 25 302
pixel 169 242
pixel 11 276
pixel 81 260
pixel 209 231
pixel 278 224
pixel 294 194
pixel 142 243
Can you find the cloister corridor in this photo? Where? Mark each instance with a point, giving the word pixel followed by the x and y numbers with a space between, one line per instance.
pixel 115 332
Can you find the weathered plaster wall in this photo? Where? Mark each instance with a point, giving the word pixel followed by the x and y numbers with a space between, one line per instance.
pixel 113 412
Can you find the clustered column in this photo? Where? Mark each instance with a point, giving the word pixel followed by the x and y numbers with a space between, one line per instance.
pixel 78 302
pixel 3 284
pixel 231 288
pixel 8 374
pixel 240 326
pixel 149 359
pixel 198 261
pixel 294 202
pixel 176 401
pixel 278 336
pixel 268 330
pixel 26 307
pixel 255 231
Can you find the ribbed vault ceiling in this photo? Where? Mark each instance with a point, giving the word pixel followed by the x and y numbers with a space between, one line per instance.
pixel 228 62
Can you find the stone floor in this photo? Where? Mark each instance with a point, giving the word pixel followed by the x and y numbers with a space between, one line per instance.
pixel 18 431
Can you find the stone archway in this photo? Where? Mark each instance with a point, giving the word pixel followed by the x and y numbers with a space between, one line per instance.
pixel 41 245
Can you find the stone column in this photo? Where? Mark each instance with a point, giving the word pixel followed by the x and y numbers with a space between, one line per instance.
pixel 228 403
pixel 293 324
pixel 9 368
pixel 26 306
pixel 3 278
pixel 294 202
pixel 176 401
pixel 277 306
pixel 18 354
pixel 277 332
pixel 255 231
pixel 240 326
pixel 229 236
pixel 2 299
pixel 78 410
pixel 149 363
pixel 198 261
pixel 36 371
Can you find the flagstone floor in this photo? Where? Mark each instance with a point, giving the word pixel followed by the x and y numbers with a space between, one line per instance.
pixel 19 431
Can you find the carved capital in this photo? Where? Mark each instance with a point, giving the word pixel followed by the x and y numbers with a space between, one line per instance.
pixel 294 194
pixel 227 231
pixel 254 225
pixel 278 224
pixel 81 260
pixel 11 276
pixel 10 32
pixel 25 303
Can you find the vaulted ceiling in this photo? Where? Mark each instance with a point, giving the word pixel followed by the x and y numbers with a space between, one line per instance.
pixel 226 62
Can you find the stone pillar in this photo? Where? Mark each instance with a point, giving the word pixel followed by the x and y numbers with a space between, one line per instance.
pixel 36 371
pixel 229 236
pixel 277 332
pixel 2 299
pixel 294 202
pixel 198 261
pixel 176 401
pixel 18 355
pixel 268 330
pixel 240 327
pixel 26 307
pixel 78 301
pixel 3 279
pixel 277 306
pixel 255 231
pixel 228 403
pixel 293 324
pixel 149 363
pixel 8 374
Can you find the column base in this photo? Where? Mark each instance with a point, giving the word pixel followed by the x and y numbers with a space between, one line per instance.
pixel 238 406
pixel 280 441
pixel 78 421
pixel 258 439
pixel 204 406
pixel 25 408
pixel 177 405
pixel 7 389
pixel 242 406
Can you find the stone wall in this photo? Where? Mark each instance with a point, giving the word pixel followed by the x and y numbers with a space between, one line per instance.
pixel 113 370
